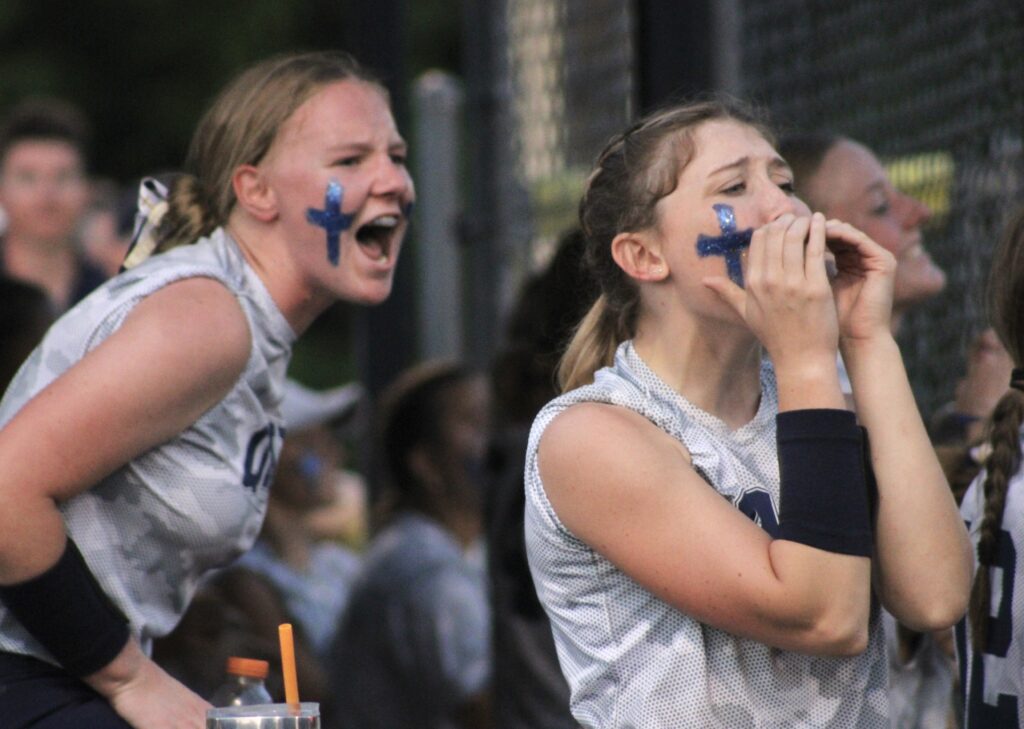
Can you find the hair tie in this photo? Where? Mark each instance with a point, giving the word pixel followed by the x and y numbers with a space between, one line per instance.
pixel 1017 379
pixel 152 206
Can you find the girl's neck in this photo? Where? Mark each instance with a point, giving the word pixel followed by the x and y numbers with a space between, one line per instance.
pixel 714 365
pixel 295 300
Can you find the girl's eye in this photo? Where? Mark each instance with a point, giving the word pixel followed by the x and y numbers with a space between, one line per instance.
pixel 881 209
pixel 787 187
pixel 735 189
pixel 398 159
pixel 346 162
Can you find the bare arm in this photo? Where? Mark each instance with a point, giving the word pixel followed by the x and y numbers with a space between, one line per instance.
pixel 175 356
pixel 923 559
pixel 658 521
pixel 923 556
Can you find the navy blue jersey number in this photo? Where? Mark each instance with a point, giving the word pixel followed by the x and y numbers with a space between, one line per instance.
pixel 261 457
pixel 757 504
pixel 1000 631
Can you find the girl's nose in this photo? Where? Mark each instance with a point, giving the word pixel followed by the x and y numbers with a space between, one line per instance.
pixel 915 213
pixel 778 202
pixel 392 178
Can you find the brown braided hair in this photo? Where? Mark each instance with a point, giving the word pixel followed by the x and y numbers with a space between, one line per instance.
pixel 1006 311
pixel 635 170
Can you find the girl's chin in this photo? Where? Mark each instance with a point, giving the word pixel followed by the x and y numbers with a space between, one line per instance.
pixel 369 293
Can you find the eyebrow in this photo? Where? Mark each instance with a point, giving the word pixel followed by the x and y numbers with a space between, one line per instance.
pixel 774 163
pixel 349 147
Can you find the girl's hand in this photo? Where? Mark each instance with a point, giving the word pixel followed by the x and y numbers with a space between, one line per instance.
pixel 863 283
pixel 145 696
pixel 787 301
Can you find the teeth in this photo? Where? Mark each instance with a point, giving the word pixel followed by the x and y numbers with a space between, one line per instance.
pixel 385 221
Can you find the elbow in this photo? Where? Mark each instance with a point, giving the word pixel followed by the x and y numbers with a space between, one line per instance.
pixel 841 639
pixel 938 614
pixel 840 631
pixel 937 606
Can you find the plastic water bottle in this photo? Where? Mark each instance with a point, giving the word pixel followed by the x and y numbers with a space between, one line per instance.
pixel 244 684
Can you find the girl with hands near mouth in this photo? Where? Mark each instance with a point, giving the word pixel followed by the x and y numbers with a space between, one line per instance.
pixel 702 521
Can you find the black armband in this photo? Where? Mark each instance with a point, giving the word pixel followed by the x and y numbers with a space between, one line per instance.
pixel 824 492
pixel 66 610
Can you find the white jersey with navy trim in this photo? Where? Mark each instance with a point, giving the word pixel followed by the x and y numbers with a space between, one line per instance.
pixel 153 528
pixel 631 659
pixel 992 682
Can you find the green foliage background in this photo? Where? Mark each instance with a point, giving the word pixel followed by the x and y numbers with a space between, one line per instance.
pixel 143 70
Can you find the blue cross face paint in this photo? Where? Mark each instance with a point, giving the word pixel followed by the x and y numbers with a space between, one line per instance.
pixel 729 245
pixel 331 219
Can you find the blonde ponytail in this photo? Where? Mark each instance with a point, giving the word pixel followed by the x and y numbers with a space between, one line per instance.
pixel 189 216
pixel 592 346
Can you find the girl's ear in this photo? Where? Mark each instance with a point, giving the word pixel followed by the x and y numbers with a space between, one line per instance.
pixel 253 193
pixel 639 255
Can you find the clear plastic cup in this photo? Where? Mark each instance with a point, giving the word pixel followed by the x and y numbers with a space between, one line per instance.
pixel 265 716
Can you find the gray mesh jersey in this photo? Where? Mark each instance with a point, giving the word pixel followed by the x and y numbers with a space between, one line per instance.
pixel 151 529
pixel 992 682
pixel 634 661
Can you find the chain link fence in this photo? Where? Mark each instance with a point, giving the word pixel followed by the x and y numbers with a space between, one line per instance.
pixel 561 85
pixel 935 87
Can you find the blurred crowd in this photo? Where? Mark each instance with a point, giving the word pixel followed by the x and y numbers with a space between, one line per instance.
pixel 393 537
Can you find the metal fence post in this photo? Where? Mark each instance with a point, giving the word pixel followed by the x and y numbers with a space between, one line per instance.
pixel 437 97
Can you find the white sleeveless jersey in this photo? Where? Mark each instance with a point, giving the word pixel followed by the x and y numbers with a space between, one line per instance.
pixel 634 661
pixel 992 682
pixel 152 529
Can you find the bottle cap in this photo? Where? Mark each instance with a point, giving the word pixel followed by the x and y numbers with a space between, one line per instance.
pixel 251 667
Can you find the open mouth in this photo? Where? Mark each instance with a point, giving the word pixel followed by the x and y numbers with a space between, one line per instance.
pixel 376 237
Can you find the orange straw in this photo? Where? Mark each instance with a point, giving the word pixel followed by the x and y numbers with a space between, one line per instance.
pixel 291 682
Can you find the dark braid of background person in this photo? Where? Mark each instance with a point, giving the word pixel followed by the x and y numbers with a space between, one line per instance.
pixel 1006 301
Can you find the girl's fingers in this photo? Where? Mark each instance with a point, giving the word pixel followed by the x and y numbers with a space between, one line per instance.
pixel 755 255
pixel 814 261
pixel 793 248
pixel 773 240
pixel 856 251
pixel 836 230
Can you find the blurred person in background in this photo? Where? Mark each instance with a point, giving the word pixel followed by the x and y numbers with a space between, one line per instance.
pixel 44 193
pixel 25 315
pixel 962 420
pixel 413 648
pixel 106 229
pixel 140 440
pixel 990 640
pixel 959 427
pixel 346 412
pixel 529 688
pixel 845 180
